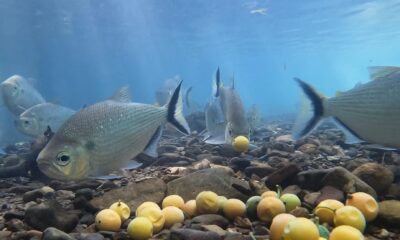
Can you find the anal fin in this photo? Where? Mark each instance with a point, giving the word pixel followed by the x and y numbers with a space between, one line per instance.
pixel 151 148
pixel 350 135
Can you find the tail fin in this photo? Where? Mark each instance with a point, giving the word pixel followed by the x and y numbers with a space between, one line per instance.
pixel 175 111
pixel 302 128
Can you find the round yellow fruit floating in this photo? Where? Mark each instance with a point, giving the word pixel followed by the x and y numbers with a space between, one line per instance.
pixel 173 200
pixel 351 216
pixel 156 217
pixel 346 232
pixel 140 228
pixel 269 194
pixel 207 202
pixel 241 144
pixel 300 229
pixel 234 208
pixel 269 207
pixel 365 203
pixel 172 215
pixel 108 220
pixel 121 209
pixel 278 225
pixel 190 208
pixel 325 210
pixel 146 205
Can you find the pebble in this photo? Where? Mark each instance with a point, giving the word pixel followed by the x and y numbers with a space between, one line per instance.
pixel 376 175
pixel 389 213
pixel 55 234
pixel 190 234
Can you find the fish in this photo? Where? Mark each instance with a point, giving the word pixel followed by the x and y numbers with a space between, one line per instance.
pixel 253 117
pixel 368 113
pixel 19 95
pixel 164 93
pixel 215 123
pixel 34 121
pixel 104 137
pixel 235 122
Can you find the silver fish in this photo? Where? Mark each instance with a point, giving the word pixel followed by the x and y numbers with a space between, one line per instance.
pixel 105 136
pixel 19 95
pixel 368 113
pixel 164 94
pixel 253 117
pixel 215 123
pixel 34 121
pixel 235 122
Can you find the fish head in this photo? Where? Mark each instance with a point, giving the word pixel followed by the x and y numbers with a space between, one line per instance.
pixel 234 130
pixel 28 125
pixel 64 159
pixel 11 88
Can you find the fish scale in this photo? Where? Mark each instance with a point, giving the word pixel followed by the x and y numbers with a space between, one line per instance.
pixel 370 110
pixel 104 137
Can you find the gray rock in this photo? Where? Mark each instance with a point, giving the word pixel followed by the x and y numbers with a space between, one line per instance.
pixel 211 219
pixel 376 175
pixel 32 195
pixel 311 179
pixel 133 194
pixel 55 234
pixel 347 182
pixel 389 213
pixel 217 180
pixel 50 214
pixel 190 234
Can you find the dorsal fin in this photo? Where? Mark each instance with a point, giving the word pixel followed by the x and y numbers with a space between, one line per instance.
pixel 233 82
pixel 378 72
pixel 216 84
pixel 122 95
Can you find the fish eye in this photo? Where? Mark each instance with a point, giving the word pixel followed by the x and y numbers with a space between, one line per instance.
pixel 63 159
pixel 26 122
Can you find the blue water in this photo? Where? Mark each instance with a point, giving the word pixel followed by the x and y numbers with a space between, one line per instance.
pixel 80 51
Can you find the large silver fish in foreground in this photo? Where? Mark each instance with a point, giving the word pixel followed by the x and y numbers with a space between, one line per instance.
pixel 34 121
pixel 19 95
pixel 105 137
pixel 234 115
pixel 369 112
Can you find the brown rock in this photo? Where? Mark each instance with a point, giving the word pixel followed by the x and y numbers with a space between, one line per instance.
pixel 376 175
pixel 344 180
pixel 282 177
pixel 220 181
pixel 329 192
pixel 389 213
pixel 133 194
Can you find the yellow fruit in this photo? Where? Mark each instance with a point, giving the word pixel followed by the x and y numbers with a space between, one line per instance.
pixel 172 215
pixel 300 229
pixel 278 224
pixel 325 210
pixel 365 203
pixel 269 194
pixel 269 207
pixel 173 200
pixel 207 202
pixel 346 233
pixel 140 228
pixel 122 209
pixel 351 216
pixel 156 217
pixel 240 144
pixel 234 208
pixel 321 238
pixel 190 208
pixel 108 220
pixel 145 205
